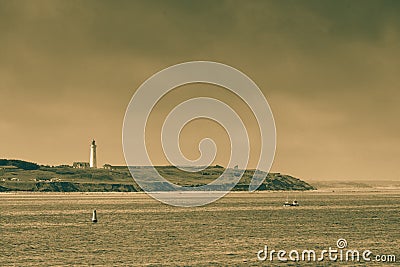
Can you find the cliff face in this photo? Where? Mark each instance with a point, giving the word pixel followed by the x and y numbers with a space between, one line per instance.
pixel 67 179
pixel 84 187
pixel 277 181
pixel 4 189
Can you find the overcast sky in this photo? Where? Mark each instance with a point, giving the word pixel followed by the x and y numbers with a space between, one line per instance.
pixel 329 69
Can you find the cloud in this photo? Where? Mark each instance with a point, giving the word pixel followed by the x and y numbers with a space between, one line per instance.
pixel 329 70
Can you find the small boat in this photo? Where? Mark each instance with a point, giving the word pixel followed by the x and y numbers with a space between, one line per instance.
pixel 295 203
pixel 94 217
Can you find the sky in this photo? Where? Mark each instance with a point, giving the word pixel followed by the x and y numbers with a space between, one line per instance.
pixel 329 70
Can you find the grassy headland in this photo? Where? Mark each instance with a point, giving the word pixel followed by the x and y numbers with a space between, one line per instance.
pixel 118 179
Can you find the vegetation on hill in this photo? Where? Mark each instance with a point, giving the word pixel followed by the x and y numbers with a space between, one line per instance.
pixel 19 164
pixel 68 179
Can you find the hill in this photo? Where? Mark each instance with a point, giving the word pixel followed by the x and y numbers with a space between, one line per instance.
pixel 18 164
pixel 68 179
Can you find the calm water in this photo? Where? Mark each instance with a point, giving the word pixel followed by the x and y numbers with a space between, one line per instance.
pixel 55 229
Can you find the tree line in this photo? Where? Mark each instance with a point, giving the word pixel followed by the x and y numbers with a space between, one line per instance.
pixel 25 165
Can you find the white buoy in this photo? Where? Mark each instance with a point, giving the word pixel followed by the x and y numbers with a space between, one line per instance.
pixel 94 217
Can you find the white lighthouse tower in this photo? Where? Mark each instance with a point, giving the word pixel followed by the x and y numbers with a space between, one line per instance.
pixel 93 158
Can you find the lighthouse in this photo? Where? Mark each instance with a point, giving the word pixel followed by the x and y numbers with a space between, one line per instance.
pixel 93 159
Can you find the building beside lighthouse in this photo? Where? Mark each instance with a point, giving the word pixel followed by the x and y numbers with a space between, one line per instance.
pixel 92 160
pixel 81 165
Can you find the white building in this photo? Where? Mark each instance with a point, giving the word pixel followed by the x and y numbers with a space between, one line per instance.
pixel 93 157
